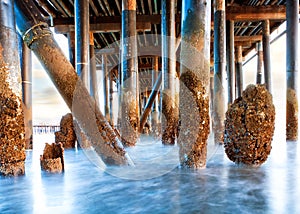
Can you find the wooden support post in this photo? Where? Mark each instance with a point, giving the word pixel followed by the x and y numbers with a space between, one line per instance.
pixel 230 61
pixel 267 55
pixel 168 102
pixel 93 71
pixel 26 72
pixel 239 70
pixel 155 112
pixel 105 86
pixel 219 70
pixel 260 59
pixel 87 115
pixel 129 96
pixel 12 141
pixel 292 38
pixel 82 40
pixel 194 83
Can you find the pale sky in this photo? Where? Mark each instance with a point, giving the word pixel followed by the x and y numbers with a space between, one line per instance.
pixel 49 107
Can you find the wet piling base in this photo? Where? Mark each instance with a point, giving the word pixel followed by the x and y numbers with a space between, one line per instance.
pixel 169 118
pixel 194 122
pixel 66 135
pixel 12 130
pixel 249 126
pixel 52 159
pixel 291 115
pixel 130 120
pixel 12 142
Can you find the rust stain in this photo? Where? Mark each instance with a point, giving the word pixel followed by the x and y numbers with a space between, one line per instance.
pixel 129 5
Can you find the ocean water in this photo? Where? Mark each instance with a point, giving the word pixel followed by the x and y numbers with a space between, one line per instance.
pixel 157 184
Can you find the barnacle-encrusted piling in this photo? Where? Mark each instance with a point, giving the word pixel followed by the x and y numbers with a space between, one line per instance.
pixel 219 106
pixel 249 126
pixel 52 159
pixel 12 130
pixel 291 115
pixel 129 90
pixel 169 106
pixel 169 117
pixel 292 63
pixel 194 84
pixel 66 135
pixel 39 39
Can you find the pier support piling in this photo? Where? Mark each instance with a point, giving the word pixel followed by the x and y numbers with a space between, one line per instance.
pixel 93 71
pixel 105 86
pixel 267 55
pixel 26 72
pixel 82 27
pixel 292 38
pixel 219 107
pixel 230 61
pixel 155 111
pixel 239 71
pixel 12 141
pixel 150 102
pixel 194 121
pixel 260 59
pixel 129 88
pixel 111 99
pixel 38 37
pixel 71 43
pixel 168 100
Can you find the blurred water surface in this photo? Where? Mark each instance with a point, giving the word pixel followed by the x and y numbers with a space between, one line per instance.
pixel 222 187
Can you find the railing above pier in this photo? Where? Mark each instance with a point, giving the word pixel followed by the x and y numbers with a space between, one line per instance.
pixel 45 129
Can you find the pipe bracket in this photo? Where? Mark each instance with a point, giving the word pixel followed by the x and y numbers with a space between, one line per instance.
pixel 36 32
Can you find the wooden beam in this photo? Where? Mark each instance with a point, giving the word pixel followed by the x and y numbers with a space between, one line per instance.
pixel 102 27
pixel 256 13
pixel 254 38
pixel 148 66
pixel 107 51
pixel 153 19
pixel 243 43
pixel 149 51
pixel 248 38
pixel 236 13
pixel 142 51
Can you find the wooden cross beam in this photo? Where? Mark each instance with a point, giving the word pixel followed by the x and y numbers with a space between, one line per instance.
pixel 113 23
